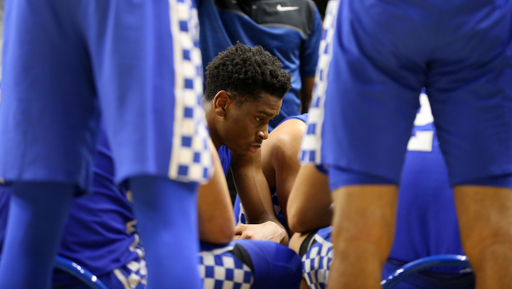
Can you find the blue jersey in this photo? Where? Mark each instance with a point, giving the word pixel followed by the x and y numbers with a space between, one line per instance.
pixel 225 158
pixel 100 233
pixel 288 29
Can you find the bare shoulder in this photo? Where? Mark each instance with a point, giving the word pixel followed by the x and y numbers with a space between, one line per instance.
pixel 286 135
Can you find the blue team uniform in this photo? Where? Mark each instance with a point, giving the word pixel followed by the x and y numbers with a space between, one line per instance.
pixel 426 219
pixel 248 263
pixel 100 234
pixel 377 56
pixel 5 194
pixel 288 29
pixel 317 258
pixel 136 63
pixel 238 210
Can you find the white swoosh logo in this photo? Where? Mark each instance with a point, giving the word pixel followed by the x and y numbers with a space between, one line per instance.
pixel 287 8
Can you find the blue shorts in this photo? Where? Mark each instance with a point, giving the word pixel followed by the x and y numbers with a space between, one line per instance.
pixel 317 258
pixel 219 267
pixel 249 264
pixel 376 58
pixel 134 63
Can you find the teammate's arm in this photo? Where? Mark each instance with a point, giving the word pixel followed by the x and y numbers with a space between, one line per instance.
pixel 309 61
pixel 305 93
pixel 309 205
pixel 280 152
pixel 216 220
pixel 252 188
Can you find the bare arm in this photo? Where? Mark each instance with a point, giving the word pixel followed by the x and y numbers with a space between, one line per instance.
pixel 305 92
pixel 309 205
pixel 252 188
pixel 279 158
pixel 216 220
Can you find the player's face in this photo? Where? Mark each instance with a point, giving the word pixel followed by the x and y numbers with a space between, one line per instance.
pixel 246 125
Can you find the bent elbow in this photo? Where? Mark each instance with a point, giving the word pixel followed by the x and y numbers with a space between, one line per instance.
pixel 295 225
pixel 219 234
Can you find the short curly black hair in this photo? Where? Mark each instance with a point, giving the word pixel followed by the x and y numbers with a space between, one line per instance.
pixel 245 73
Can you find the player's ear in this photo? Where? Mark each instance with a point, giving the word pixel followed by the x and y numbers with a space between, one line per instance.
pixel 220 103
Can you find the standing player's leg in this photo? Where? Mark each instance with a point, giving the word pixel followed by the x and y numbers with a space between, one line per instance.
pixel 148 72
pixel 364 227
pixel 166 217
pixel 471 99
pixel 485 215
pixel 35 224
pixel 368 116
pixel 47 122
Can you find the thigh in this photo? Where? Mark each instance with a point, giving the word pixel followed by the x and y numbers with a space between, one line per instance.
pixel 48 112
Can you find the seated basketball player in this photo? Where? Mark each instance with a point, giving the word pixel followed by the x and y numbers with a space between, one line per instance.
pixel 244 91
pixel 100 233
pixel 280 165
pixel 243 263
pixel 426 219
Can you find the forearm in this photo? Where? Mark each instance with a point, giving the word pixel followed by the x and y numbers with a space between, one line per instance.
pixel 306 93
pixel 254 194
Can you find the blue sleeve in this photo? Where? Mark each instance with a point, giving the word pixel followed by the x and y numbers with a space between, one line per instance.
pixel 309 50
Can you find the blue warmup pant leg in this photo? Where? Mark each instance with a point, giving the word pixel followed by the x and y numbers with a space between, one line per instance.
pixel 166 213
pixel 37 216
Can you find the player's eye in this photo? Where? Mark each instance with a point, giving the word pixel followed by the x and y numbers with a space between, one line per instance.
pixel 258 119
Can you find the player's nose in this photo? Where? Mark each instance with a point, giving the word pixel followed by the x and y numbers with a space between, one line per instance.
pixel 263 134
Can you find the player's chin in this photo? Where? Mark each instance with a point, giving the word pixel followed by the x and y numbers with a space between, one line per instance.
pixel 254 148
pixel 242 151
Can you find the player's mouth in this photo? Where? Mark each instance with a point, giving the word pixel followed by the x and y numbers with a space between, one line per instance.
pixel 254 147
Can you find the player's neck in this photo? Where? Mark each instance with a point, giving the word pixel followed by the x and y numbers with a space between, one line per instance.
pixel 215 138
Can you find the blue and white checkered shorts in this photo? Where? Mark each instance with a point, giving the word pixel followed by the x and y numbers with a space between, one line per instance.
pixel 220 269
pixel 317 261
pixel 133 275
